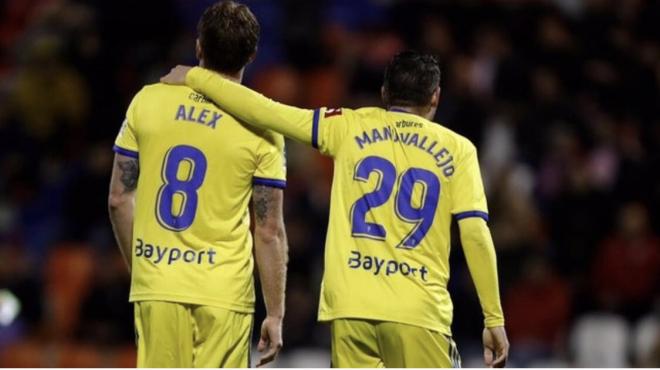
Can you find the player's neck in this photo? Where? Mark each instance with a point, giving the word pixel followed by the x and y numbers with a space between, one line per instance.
pixel 236 77
pixel 420 111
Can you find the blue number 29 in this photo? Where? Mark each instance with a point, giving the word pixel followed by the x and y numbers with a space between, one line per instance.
pixel 186 188
pixel 422 216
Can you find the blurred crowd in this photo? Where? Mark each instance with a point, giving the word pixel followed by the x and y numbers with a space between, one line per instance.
pixel 562 98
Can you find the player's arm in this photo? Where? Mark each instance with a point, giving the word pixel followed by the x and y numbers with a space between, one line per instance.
pixel 248 105
pixel 121 201
pixel 271 253
pixel 470 210
pixel 480 255
pixel 123 183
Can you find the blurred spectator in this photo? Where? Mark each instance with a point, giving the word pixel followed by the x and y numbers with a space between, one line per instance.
pixel 50 97
pixel 538 310
pixel 625 275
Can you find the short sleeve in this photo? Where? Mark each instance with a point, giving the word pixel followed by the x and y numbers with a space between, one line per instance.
pixel 330 127
pixel 271 162
pixel 126 142
pixel 468 196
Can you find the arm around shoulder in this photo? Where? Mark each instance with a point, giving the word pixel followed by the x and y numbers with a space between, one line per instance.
pixel 251 107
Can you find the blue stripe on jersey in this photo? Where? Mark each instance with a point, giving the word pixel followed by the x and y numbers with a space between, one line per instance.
pixel 315 128
pixel 126 152
pixel 468 214
pixel 273 183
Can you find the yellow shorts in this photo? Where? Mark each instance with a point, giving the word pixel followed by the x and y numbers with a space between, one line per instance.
pixel 366 343
pixel 182 335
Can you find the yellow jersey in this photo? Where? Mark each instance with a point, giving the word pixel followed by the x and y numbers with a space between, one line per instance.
pixel 399 179
pixel 191 228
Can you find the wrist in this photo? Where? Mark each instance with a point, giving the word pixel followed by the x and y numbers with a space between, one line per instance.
pixel 275 316
pixel 494 322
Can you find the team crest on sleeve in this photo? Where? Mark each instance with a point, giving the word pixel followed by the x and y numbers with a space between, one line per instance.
pixel 330 112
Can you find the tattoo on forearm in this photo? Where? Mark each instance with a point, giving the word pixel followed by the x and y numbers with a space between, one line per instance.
pixel 263 199
pixel 130 171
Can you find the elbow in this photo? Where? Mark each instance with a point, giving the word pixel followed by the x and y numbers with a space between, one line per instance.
pixel 476 234
pixel 116 202
pixel 267 235
pixel 478 243
pixel 270 235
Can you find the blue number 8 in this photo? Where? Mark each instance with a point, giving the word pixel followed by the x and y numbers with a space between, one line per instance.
pixel 167 217
pixel 422 217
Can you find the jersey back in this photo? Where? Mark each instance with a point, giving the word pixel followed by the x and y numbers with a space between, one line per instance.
pixel 399 180
pixel 191 233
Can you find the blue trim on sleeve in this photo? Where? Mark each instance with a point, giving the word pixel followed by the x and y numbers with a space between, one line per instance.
pixel 126 152
pixel 315 128
pixel 273 183
pixel 468 214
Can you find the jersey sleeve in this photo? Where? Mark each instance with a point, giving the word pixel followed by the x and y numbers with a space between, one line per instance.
pixel 126 142
pixel 468 196
pixel 322 128
pixel 330 128
pixel 271 162
pixel 482 262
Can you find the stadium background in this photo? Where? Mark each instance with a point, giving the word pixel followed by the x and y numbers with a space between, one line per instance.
pixel 561 97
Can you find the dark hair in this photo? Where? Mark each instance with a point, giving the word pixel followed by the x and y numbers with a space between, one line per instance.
pixel 228 36
pixel 410 79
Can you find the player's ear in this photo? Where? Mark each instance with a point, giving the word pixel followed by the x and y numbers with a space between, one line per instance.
pixel 383 95
pixel 198 50
pixel 253 56
pixel 435 98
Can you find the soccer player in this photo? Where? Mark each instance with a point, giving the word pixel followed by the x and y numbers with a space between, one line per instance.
pixel 399 180
pixel 183 175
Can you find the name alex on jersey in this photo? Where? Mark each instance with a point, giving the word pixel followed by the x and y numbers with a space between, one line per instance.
pixel 443 158
pixel 192 114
